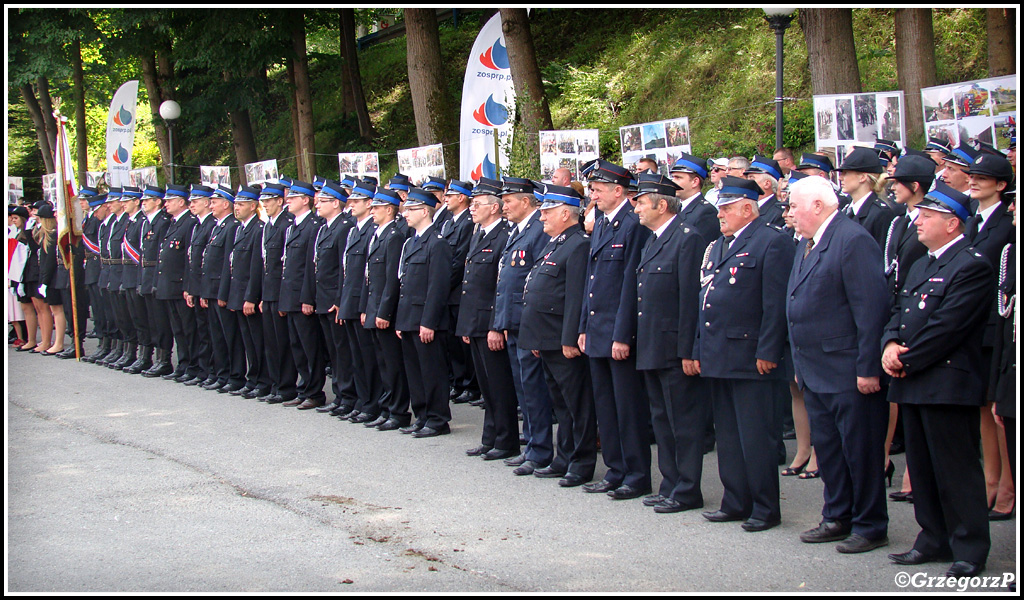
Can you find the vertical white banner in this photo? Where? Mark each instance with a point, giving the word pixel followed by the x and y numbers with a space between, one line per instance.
pixel 121 132
pixel 488 103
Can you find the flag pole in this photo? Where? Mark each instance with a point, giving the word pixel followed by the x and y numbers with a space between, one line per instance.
pixel 68 256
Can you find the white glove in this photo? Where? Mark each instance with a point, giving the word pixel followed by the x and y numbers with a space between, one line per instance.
pixel 42 290
pixel 21 289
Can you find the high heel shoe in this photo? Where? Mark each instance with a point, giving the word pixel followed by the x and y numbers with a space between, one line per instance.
pixel 791 471
pixel 810 474
pixel 889 471
pixel 899 496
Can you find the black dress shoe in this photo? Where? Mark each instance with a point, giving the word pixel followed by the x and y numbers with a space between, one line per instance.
pixel 388 425
pixel 965 568
pixel 915 557
pixel 654 500
pixel 361 417
pixel 995 515
pixel 277 399
pixel 230 389
pixel 600 487
pixel 759 525
pixel 720 516
pixel 411 428
pixel 672 506
pixel 899 496
pixel 572 480
pixel 856 543
pixel 252 394
pixel 548 473
pixel 479 403
pixel 453 393
pixel 481 449
pixel 826 531
pixel 240 391
pixel 466 396
pixel 496 454
pixel 265 397
pixel 459 397
pixel 380 420
pixel 515 461
pixel 427 432
pixel 527 468
pixel 212 385
pixel 628 492
pixel 326 408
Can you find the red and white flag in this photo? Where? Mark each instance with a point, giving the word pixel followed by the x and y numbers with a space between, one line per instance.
pixel 69 211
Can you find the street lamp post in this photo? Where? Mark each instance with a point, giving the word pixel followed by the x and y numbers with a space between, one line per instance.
pixel 778 18
pixel 170 111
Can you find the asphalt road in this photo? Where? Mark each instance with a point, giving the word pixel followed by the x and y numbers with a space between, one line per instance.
pixel 117 483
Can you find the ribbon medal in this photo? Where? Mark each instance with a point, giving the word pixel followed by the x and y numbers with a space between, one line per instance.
pixel 732 273
pixel 921 304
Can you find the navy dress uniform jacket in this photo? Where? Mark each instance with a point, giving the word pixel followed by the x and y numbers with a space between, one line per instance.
pixel 837 302
pixel 91 241
pixel 172 259
pixel 480 281
pixel 273 252
pixel 380 292
pixel 875 216
pixel 152 237
pixel 902 249
pixel 521 252
pixel 117 231
pixel 245 266
pixel 425 284
pixel 609 311
pixel 201 233
pixel 943 364
pixel 216 270
pixel 329 256
pixel 357 246
pixel 457 234
pixel 668 286
pixel 744 321
pixel 702 216
pixel 553 295
pixel 771 212
pixel 296 273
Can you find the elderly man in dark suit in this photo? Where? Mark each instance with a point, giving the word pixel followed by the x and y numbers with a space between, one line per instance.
pixel 667 297
pixel 739 347
pixel 228 353
pixel 172 265
pixel 246 284
pixel 932 349
pixel 836 307
pixel 550 329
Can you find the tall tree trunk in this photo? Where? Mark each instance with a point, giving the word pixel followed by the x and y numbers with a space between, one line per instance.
pixel 293 108
pixel 303 98
pixel 242 138
pixel 1000 25
pixel 522 59
pixel 81 137
pixel 165 72
pixel 830 50
pixel 915 65
pixel 37 119
pixel 152 83
pixel 431 106
pixel 46 106
pixel 350 56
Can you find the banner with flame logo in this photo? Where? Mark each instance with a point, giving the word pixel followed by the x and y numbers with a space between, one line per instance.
pixel 488 98
pixel 121 133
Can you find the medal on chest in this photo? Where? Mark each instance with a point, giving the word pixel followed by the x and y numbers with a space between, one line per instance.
pixel 732 275
pixel 921 304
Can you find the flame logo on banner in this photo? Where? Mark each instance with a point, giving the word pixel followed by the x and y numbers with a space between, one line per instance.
pixel 485 169
pixel 123 117
pixel 496 57
pixel 491 113
pixel 121 155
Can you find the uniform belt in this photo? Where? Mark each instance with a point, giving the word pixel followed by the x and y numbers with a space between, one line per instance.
pixel 149 263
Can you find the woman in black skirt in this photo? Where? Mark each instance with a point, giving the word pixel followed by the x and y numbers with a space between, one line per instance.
pixel 47 298
pixel 29 284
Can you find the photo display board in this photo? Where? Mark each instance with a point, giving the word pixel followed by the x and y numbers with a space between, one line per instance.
pixel 261 172
pixel 983 110
pixel 568 148
pixel 420 163
pixel 214 176
pixel 842 121
pixel 663 141
pixel 359 164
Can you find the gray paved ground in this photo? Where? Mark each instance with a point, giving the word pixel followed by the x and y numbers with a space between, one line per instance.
pixel 120 483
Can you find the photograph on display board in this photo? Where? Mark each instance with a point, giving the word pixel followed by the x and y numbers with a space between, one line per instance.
pixel 1006 129
pixel 844 119
pixel 50 188
pixel 825 118
pixel 631 139
pixel 866 117
pixel 548 142
pixel 587 145
pixel 548 164
pixel 420 163
pixel 15 189
pixel 570 163
pixel 140 178
pixel 975 129
pixel 1003 93
pixel 937 104
pixel 261 172
pixel 358 164
pixel 654 136
pixel 971 101
pixel 213 176
pixel 95 178
pixel 678 133
pixel 889 111
pixel 945 131
pixel 567 142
